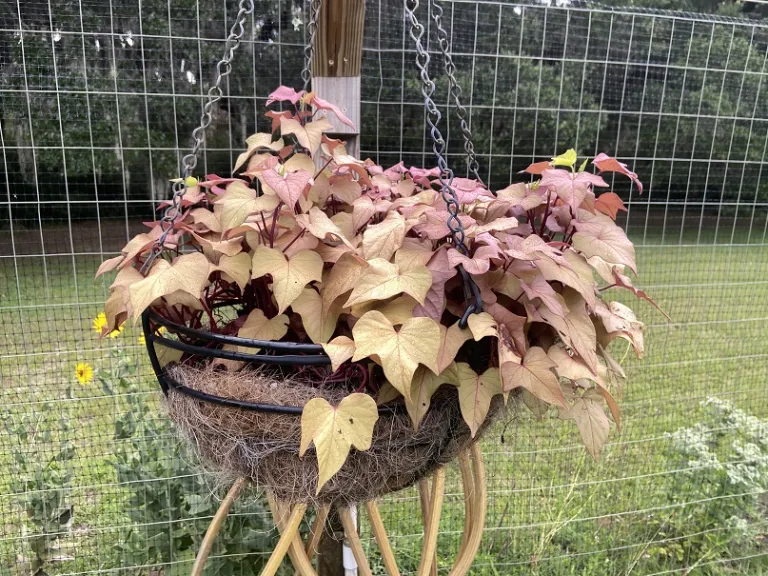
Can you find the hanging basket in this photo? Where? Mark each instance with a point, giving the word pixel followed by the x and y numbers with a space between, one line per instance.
pixel 248 423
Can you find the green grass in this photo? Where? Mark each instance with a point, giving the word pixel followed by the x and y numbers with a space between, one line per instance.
pixel 552 510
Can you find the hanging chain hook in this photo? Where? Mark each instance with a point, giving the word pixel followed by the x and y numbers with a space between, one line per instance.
pixel 309 49
pixel 456 92
pixel 189 162
pixel 447 192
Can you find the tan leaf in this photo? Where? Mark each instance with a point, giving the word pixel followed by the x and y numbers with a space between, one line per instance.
pixel 256 327
pixel 308 136
pixel 236 268
pixel 383 280
pixel 166 355
pixel 387 393
pixel 339 350
pixel 288 276
pixel 569 367
pixel 317 223
pixel 319 321
pixel 346 190
pixel 116 311
pixel 342 278
pixel 363 210
pixel 578 277
pixel 205 220
pixel 411 255
pixel 482 325
pixel 188 273
pixel 399 310
pixel 109 265
pixel 335 430
pixel 217 246
pixel 383 239
pixel 475 394
pixel 401 352
pixel 452 339
pixel 238 202
pixel 534 374
pixel 620 322
pixel 423 386
pixel 608 242
pixel 576 328
pixel 591 420
pixel 300 162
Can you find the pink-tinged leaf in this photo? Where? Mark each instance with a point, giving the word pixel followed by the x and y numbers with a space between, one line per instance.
pixel 623 281
pixel 620 322
pixel 606 163
pixel 422 176
pixel 325 105
pixel 194 195
pixel 559 218
pixel 468 190
pixel 531 247
pixel 435 225
pixel 363 210
pixel 287 188
pixel 276 116
pixel 578 276
pixel 609 204
pixel 576 328
pixel 513 324
pixel 534 374
pixel 395 172
pixel 495 225
pixel 538 168
pixel 608 242
pixel 478 264
pixel 285 94
pixel 109 265
pixel 540 288
pixel 434 301
pixel 570 188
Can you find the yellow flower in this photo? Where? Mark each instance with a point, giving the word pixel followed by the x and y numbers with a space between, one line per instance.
pixel 100 322
pixel 117 331
pixel 83 372
pixel 143 340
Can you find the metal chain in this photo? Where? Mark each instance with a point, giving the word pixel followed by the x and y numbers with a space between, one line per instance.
pixel 447 192
pixel 189 162
pixel 309 49
pixel 433 119
pixel 450 71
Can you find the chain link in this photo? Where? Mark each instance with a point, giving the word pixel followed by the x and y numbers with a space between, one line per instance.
pixel 450 71
pixel 189 162
pixel 447 192
pixel 309 49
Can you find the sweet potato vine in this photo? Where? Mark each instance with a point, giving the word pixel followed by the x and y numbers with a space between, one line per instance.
pixel 308 244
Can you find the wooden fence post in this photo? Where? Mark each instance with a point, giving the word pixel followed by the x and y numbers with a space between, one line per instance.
pixel 336 78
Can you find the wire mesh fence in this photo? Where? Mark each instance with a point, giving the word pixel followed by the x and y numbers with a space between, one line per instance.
pixel 98 100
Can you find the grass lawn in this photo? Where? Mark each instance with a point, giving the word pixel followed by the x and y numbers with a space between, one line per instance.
pixel 552 510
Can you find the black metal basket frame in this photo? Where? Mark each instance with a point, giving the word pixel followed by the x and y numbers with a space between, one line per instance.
pixel 285 354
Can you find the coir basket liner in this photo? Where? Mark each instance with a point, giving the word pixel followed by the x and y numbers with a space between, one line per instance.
pixel 264 446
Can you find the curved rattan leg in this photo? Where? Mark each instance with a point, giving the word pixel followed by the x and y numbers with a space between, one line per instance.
pixel 296 552
pixel 424 497
pixel 350 531
pixel 286 539
pixel 465 466
pixel 433 523
pixel 215 526
pixel 380 533
pixel 479 509
pixel 317 530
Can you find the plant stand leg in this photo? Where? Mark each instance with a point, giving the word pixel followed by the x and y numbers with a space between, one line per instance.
pixel 296 552
pixel 479 509
pixel 377 527
pixel 215 527
pixel 424 498
pixel 317 530
pixel 432 523
pixel 286 539
pixel 350 530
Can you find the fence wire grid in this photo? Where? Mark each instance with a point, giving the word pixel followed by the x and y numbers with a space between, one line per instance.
pixel 97 101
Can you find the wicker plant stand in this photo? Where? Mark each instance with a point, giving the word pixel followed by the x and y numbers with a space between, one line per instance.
pixel 287 518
